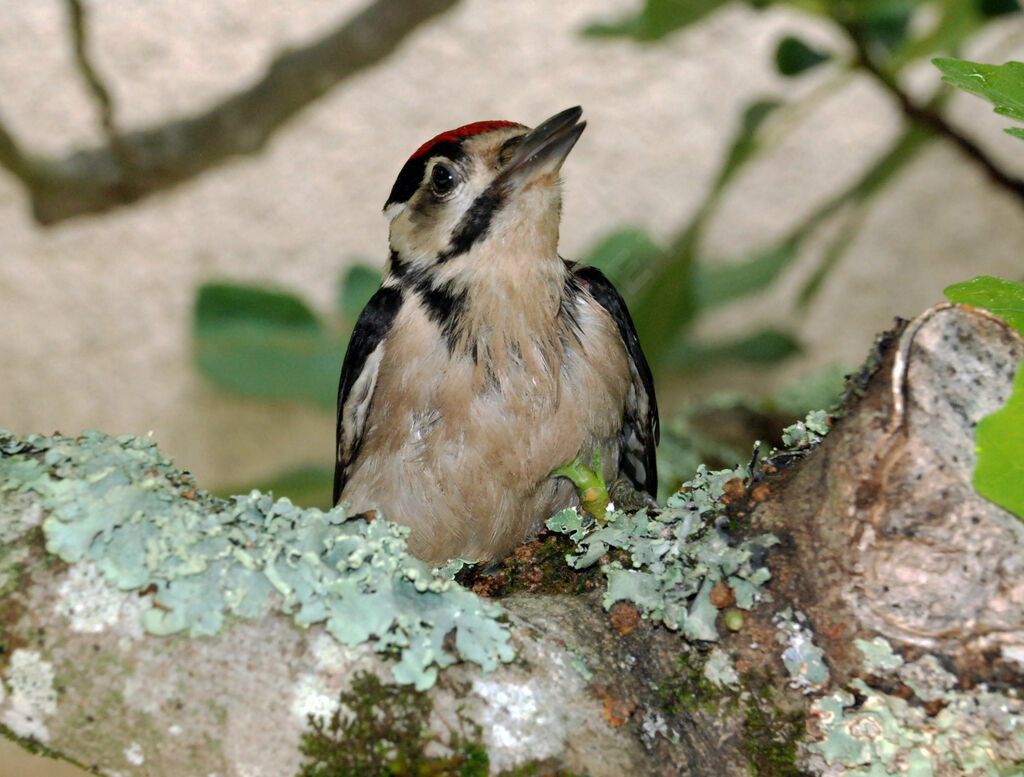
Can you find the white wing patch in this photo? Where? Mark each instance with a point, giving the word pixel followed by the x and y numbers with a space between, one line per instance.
pixel 357 406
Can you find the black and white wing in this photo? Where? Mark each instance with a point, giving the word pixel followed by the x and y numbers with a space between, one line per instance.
pixel 640 433
pixel 359 377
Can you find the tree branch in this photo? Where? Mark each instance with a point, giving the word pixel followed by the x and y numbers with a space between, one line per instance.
pixel 925 116
pixel 78 25
pixel 852 604
pixel 95 180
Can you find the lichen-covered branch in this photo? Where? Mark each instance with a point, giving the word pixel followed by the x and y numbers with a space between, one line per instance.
pixel 847 606
pixel 98 179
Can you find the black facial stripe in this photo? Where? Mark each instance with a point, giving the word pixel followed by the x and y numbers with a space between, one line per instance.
pixel 444 306
pixel 397 266
pixel 474 223
pixel 411 175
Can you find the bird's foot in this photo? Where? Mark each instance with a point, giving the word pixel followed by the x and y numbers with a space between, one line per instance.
pixel 589 482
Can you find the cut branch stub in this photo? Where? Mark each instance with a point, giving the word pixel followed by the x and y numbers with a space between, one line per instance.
pixel 890 537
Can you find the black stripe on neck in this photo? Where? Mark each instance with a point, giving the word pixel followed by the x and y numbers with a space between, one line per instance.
pixel 444 305
pixel 474 223
pixel 397 266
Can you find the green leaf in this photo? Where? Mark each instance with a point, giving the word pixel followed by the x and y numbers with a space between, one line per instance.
pixel 716 285
pixel 357 286
pixel 998 296
pixel 626 256
pixel 765 346
pixel 666 303
pixel 999 473
pixel 746 142
pixel 953 22
pixel 1001 85
pixel 219 303
pixel 886 23
pixel 268 344
pixel 993 8
pixel 656 19
pixel 793 56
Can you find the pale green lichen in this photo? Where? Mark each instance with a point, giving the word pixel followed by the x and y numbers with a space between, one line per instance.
pixel 977 731
pixel 804 660
pixel 579 663
pixel 675 557
pixel 879 657
pixel 926 678
pixel 720 669
pixel 121 505
pixel 806 433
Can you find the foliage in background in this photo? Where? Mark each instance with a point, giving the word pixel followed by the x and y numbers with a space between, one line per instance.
pixel 670 286
pixel 272 345
pixel 258 342
pixel 1001 85
pixel 999 473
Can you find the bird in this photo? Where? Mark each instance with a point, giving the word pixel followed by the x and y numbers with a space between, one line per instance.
pixel 485 360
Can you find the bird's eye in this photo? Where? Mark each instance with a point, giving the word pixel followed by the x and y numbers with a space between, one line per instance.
pixel 442 179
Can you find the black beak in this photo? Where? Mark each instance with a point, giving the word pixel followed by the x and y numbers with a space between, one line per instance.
pixel 544 149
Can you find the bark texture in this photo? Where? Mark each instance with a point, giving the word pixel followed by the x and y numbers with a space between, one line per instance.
pixel 891 638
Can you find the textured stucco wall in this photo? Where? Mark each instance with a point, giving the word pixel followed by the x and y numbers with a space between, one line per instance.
pixel 95 313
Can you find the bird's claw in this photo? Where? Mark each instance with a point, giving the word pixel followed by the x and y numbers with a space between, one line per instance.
pixel 590 485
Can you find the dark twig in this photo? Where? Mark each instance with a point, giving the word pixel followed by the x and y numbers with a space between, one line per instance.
pixel 925 116
pixel 94 180
pixel 14 159
pixel 104 102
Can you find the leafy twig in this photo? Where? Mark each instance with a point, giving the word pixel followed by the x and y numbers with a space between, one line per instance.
pixel 925 116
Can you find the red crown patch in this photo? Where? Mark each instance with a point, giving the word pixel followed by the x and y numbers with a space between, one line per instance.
pixel 468 130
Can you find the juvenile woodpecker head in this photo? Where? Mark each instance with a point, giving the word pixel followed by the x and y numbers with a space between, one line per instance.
pixel 485 362
pixel 491 183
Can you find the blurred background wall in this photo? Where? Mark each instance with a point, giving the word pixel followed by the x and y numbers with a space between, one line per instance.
pixel 95 328
pixel 97 311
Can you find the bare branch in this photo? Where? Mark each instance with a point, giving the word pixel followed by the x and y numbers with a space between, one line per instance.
pixel 94 180
pixel 104 102
pixel 14 159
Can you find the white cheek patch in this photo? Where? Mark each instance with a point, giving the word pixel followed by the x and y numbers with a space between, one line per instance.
pixel 392 211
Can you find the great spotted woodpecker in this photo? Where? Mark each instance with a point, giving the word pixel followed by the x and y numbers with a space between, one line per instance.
pixel 485 360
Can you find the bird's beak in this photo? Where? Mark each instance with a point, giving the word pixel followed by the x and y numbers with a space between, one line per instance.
pixel 544 149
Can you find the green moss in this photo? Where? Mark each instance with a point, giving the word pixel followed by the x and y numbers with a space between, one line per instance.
pixel 383 731
pixel 688 688
pixel 771 736
pixel 538 566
